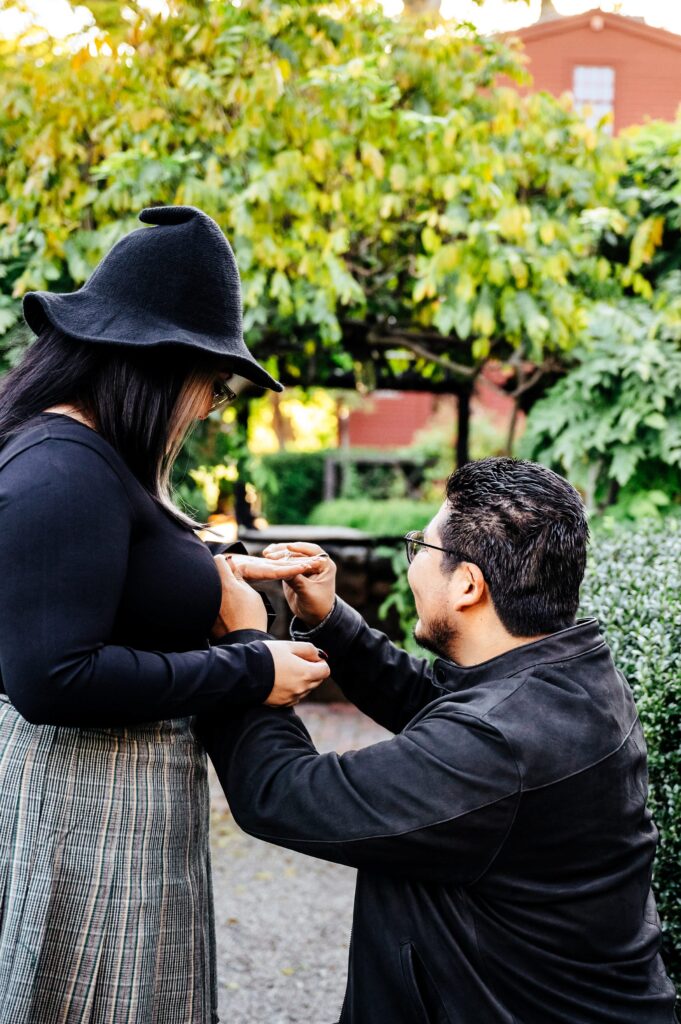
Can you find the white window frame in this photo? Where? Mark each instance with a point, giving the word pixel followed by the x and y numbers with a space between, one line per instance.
pixel 594 86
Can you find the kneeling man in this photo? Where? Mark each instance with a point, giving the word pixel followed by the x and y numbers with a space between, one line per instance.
pixel 502 837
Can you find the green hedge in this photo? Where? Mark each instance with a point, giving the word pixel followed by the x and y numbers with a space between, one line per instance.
pixel 633 586
pixel 290 484
pixel 391 518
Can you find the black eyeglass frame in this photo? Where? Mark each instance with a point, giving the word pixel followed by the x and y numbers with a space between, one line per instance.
pixel 222 395
pixel 412 538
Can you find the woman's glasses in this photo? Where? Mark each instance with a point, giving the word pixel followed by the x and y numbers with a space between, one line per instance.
pixel 414 540
pixel 222 394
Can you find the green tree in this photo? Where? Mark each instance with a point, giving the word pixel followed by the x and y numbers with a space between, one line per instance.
pixel 399 214
pixel 649 192
pixel 613 424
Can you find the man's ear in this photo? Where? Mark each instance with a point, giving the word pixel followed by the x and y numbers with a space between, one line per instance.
pixel 470 586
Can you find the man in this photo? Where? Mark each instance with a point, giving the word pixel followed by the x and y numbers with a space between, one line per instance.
pixel 502 838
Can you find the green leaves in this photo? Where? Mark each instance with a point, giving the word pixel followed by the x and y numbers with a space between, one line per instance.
pixel 361 168
pixel 633 585
pixel 613 424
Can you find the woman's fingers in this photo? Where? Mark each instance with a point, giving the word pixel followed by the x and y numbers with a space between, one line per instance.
pixel 299 667
pixel 252 568
pixel 228 569
pixel 296 547
pixel 302 649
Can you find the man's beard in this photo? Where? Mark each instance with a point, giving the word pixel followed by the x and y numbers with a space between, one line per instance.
pixel 437 637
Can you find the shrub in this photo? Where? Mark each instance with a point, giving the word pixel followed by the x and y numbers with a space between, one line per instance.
pixel 612 425
pixel 290 484
pixel 391 518
pixel 633 586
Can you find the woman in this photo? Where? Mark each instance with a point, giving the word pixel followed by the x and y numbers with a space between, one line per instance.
pixel 117 627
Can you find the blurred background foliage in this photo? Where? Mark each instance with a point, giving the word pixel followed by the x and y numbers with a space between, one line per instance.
pixel 399 210
pixel 613 423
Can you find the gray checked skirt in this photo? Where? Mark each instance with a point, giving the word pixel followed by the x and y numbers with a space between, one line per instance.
pixel 106 903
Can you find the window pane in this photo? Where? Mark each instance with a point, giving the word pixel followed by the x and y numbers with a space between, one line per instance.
pixel 593 86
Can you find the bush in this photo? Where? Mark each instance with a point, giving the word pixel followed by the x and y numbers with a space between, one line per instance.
pixel 290 484
pixel 383 473
pixel 291 488
pixel 633 586
pixel 612 425
pixel 392 518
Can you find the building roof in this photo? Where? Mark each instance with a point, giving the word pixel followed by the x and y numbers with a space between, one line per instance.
pixel 632 26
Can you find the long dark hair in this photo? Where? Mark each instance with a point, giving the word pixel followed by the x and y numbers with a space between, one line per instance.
pixel 144 402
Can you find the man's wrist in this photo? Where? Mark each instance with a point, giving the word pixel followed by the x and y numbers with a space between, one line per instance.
pixel 312 622
pixel 310 626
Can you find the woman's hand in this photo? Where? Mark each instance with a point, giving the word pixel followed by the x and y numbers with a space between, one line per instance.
pixel 298 669
pixel 241 606
pixel 310 596
pixel 251 568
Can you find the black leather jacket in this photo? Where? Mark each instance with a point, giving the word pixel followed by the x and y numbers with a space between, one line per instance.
pixel 502 838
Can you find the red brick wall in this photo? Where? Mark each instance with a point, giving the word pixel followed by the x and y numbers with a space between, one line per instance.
pixel 391 419
pixel 647 62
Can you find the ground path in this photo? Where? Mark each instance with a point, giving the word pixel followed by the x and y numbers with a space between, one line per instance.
pixel 283 919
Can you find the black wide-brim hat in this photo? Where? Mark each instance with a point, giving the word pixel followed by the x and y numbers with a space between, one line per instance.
pixel 175 283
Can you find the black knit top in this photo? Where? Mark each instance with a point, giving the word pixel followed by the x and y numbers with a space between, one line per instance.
pixel 106 601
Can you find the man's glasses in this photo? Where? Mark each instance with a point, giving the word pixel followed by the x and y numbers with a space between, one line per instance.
pixel 414 540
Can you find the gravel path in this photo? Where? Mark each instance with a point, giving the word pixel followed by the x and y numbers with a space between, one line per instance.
pixel 283 919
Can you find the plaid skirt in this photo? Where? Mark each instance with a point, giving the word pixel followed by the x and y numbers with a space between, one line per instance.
pixel 106 903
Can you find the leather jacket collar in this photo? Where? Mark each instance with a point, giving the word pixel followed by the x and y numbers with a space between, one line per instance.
pixel 570 642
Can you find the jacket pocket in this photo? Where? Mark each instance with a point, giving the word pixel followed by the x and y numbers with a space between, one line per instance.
pixel 425 998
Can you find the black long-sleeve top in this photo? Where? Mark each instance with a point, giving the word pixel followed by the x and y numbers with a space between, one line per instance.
pixel 106 601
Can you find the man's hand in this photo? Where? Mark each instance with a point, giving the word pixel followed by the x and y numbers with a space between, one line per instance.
pixel 298 669
pixel 310 597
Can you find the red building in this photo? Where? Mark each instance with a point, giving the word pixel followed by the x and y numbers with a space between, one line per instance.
pixel 608 62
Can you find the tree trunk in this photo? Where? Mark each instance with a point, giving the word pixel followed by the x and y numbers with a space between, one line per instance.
pixel 419 6
pixel 463 408
pixel 512 427
pixel 242 509
pixel 280 425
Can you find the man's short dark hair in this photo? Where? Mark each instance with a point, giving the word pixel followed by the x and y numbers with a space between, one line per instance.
pixel 525 527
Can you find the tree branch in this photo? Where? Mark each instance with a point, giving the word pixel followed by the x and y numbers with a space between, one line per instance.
pixel 465 372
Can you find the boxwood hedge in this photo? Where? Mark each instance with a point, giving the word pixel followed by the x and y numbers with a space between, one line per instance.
pixel 633 586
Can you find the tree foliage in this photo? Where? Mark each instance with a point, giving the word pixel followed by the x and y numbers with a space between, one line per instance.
pixel 649 193
pixel 613 424
pixel 393 205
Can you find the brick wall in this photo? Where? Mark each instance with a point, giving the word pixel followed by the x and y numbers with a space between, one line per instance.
pixel 390 419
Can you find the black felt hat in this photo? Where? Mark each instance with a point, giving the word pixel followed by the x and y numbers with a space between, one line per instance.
pixel 176 282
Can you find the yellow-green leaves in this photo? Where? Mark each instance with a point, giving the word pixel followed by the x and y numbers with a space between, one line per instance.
pixel 363 171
